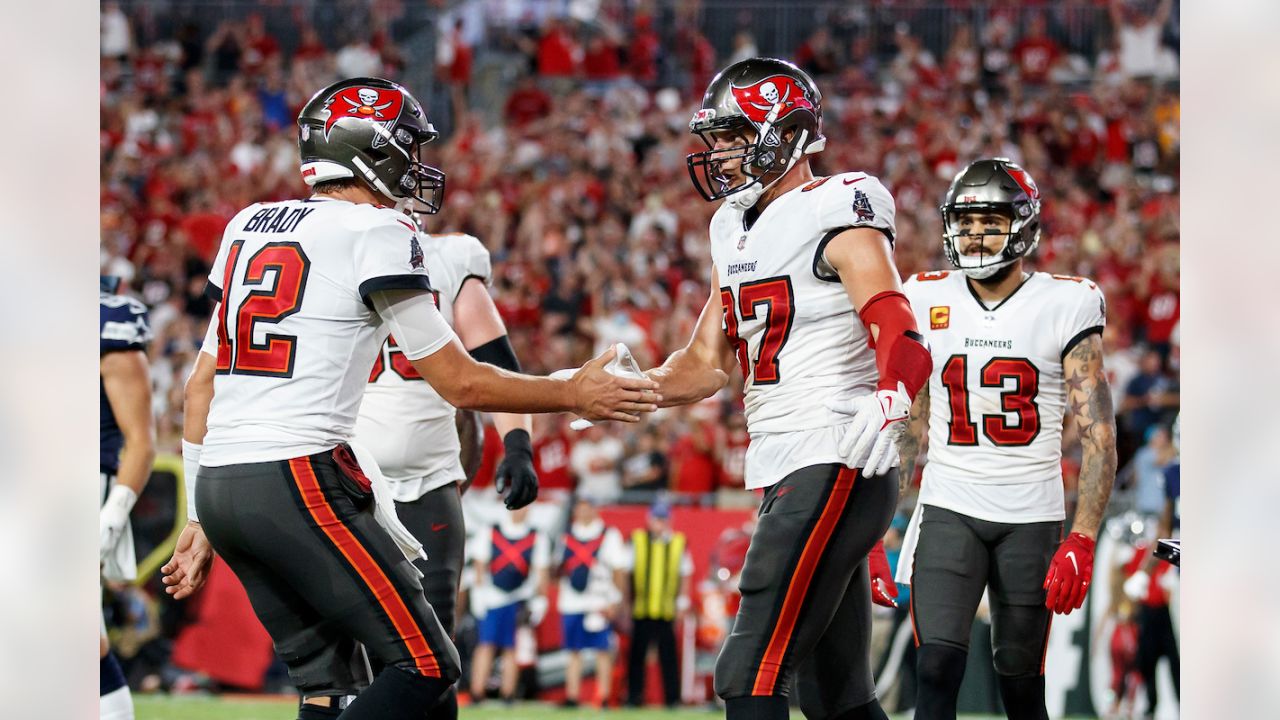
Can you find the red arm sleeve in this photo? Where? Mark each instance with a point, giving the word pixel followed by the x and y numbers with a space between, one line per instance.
pixel 901 355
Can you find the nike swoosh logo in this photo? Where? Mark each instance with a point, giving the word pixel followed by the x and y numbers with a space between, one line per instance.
pixel 1071 555
pixel 437 527
pixel 850 182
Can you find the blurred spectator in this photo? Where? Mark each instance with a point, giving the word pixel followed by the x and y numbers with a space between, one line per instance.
pixel 644 52
pixel 511 569
pixel 551 447
pixel 744 46
pixel 117 39
pixel 1141 53
pixel 962 61
pixel 1148 470
pixel 595 460
pixel 1156 286
pixel 731 452
pixel 1036 53
pixel 558 52
pixel 693 455
pixel 453 64
pixel 1147 397
pixel 601 62
pixel 593 558
pixel 644 471
pixel 818 55
pixel 526 103
pixel 259 46
pixel 1156 637
pixel 358 59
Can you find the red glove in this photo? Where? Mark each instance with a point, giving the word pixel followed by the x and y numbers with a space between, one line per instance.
pixel 1069 574
pixel 883 588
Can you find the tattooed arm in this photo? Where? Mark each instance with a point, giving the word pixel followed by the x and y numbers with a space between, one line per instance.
pixel 909 444
pixel 1089 402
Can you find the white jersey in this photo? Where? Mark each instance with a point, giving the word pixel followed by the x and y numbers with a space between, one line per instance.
pixel 403 421
pixel 997 393
pixel 297 333
pixel 797 336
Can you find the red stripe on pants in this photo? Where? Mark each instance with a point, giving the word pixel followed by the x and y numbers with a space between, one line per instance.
pixel 407 629
pixel 771 662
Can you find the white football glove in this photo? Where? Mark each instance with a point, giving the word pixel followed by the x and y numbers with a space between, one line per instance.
pixel 871 442
pixel 114 518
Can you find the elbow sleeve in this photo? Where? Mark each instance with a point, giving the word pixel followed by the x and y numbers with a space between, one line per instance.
pixel 497 352
pixel 416 323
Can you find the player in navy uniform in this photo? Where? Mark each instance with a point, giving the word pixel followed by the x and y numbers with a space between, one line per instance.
pixel 127 442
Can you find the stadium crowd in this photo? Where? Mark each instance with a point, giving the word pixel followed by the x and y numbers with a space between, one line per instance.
pixel 577 184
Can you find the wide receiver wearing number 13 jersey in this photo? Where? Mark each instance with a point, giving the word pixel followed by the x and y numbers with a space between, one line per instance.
pixel 1013 354
pixel 998 393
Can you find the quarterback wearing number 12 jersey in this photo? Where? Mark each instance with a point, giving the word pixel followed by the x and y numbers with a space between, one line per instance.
pixel 295 270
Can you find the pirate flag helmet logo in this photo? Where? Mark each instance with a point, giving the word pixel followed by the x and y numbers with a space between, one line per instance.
pixel 364 103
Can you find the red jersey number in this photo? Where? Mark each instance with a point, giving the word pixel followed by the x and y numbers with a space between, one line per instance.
pixel 1018 400
pixel 276 354
pixel 775 295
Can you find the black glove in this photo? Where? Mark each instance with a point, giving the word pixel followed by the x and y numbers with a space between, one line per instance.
pixel 516 479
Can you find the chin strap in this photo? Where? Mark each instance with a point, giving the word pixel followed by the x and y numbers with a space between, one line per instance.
pixel 746 199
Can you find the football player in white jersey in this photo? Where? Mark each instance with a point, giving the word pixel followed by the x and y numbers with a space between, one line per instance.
pixel 805 293
pixel 1012 354
pixel 411 431
pixel 308 291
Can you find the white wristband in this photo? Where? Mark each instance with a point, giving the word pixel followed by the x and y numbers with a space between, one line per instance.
pixel 122 497
pixel 190 468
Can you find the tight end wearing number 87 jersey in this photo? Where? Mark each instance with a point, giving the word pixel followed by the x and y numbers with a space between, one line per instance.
pixel 796 334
